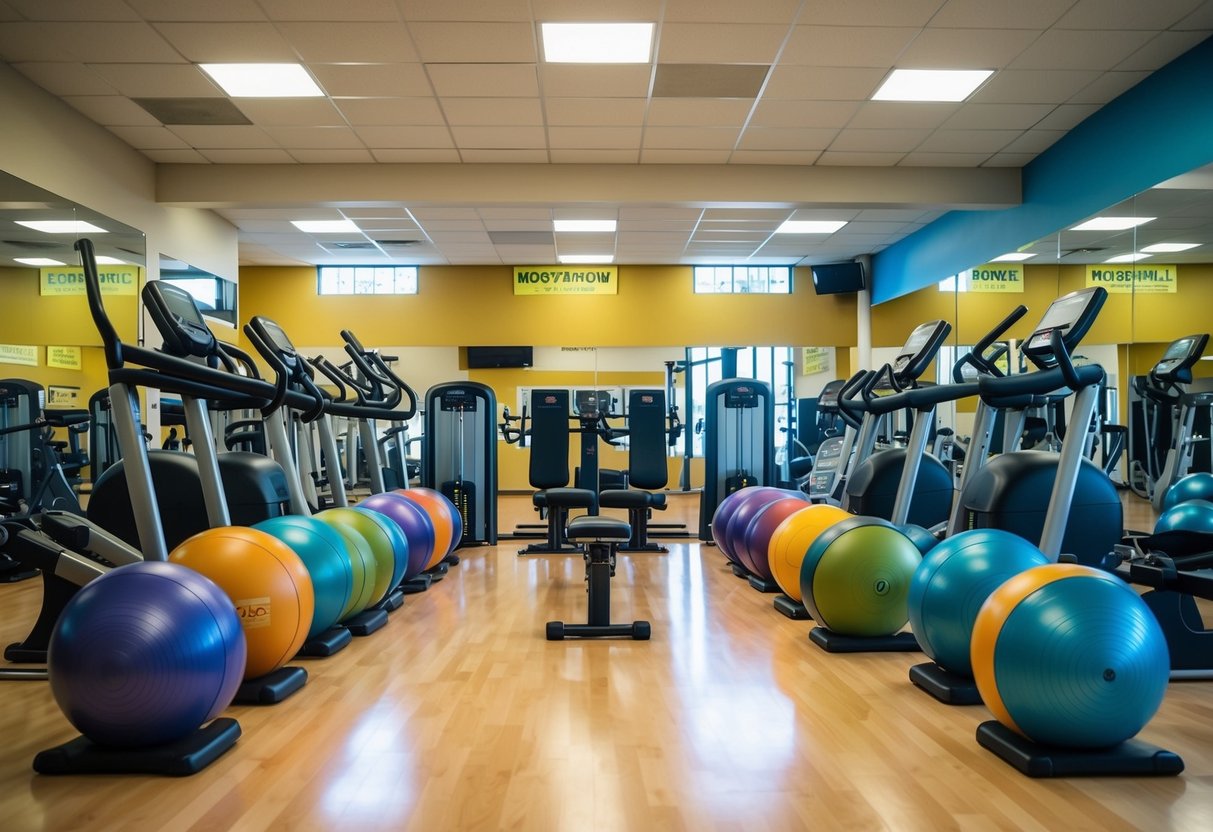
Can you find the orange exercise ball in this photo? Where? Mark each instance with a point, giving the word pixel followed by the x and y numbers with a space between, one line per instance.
pixel 792 539
pixel 438 508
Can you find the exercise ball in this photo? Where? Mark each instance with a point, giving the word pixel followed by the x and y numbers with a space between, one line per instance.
pixel 327 558
pixel 792 538
pixel 1197 486
pixel 1068 655
pixel 363 563
pixel 1188 516
pixel 920 537
pixel 724 513
pixel 383 547
pixel 749 506
pixel 414 523
pixel 757 538
pixel 855 578
pixel 145 654
pixel 438 508
pixel 953 581
pixel 266 581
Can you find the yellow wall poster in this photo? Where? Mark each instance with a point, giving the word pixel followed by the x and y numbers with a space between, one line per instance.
pixel 26 356
pixel 566 280
pixel 63 398
pixel 815 360
pixel 1000 278
pixel 1140 278
pixel 67 358
pixel 69 280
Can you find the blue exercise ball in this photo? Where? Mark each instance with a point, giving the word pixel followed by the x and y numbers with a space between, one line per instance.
pixel 1188 516
pixel 327 558
pixel 1197 486
pixel 954 579
pixel 414 522
pixel 145 654
pixel 920 537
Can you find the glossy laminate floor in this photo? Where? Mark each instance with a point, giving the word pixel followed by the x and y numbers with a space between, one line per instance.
pixel 459 715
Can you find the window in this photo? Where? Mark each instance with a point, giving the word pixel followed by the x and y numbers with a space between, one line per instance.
pixel 743 280
pixel 368 280
pixel 216 297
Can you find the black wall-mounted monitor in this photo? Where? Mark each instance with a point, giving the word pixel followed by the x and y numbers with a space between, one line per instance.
pixel 838 278
pixel 481 358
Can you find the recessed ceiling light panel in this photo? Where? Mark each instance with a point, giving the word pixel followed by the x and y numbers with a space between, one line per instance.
pixel 597 43
pixel 1127 258
pixel 62 226
pixel 931 84
pixel 326 226
pixel 810 226
pixel 39 261
pixel 1013 257
pixel 585 258
pixel 584 225
pixel 263 80
pixel 1168 248
pixel 1112 223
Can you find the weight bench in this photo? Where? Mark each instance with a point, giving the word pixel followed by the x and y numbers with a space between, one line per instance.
pixel 557 502
pixel 601 536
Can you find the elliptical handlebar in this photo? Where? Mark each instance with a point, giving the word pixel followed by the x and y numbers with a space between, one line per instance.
pixel 848 410
pixel 976 358
pixel 281 373
pixel 375 368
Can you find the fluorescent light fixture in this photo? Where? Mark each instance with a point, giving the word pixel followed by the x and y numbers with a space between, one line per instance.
pixel 584 225
pixel 1013 257
pixel 106 260
pixel 1168 248
pixel 1112 223
pixel 39 261
pixel 585 258
pixel 263 80
pixel 62 226
pixel 597 43
pixel 1127 258
pixel 325 226
pixel 931 84
pixel 810 226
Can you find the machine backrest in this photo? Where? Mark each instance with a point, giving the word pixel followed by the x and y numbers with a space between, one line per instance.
pixel 549 439
pixel 647 439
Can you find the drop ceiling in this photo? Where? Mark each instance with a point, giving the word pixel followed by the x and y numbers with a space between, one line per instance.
pixel 462 83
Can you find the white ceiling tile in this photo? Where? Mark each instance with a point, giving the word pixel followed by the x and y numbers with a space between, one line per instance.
pixel 184 156
pixel 595 138
pixel 690 138
pixel 803 113
pixel 899 114
pixel 878 141
pixel 134 42
pixel 331 155
pixel 214 10
pixel 303 112
pixel 903 215
pixel 1033 86
pixel 824 83
pixel 698 112
pixel 770 138
pixel 474 42
pixel 393 156
pixel 473 10
pixel 484 111
pixel 314 137
pixel 1008 160
pixel 504 156
pixel 638 239
pixel 544 225
pixel 871 13
pixel 1063 49
pixel 649 214
pixel 146 137
pixel 63 78
pixel 859 159
pixel 981 14
pixel 403 136
pixel 527 255
pixel 969 141
pixel 373 80
pixel 158 80
pixel 478 80
pixel 518 214
pixel 228 42
pixel 1107 86
pixel 1066 116
pixel 870 46
pixel 719 43
pixel 447 212
pixel 1101 14
pixel 248 156
pixel 223 136
pixel 729 11
pixel 454 231
pixel 111 109
pixel 1164 48
pixel 361 42
pixel 599 80
pixel 710 234
pixel 595 10
pixel 1201 18
pixel 774 157
pixel 573 112
pixel 73 9
pixel 943 160
pixel 662 156
pixel 387 111
pixel 499 137
pixel 1033 141
pixel 998 116
pixel 381 10
pixel 965 48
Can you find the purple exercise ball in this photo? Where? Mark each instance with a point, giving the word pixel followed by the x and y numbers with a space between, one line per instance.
pixel 756 500
pixel 413 521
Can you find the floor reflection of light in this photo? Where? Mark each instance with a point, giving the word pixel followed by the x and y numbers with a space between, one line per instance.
pixel 685 595
pixel 371 785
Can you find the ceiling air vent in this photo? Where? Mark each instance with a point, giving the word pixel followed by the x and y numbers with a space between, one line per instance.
pixel 34 245
pixel 398 243
pixel 350 246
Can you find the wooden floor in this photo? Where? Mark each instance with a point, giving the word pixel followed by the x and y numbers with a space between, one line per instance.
pixel 459 715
